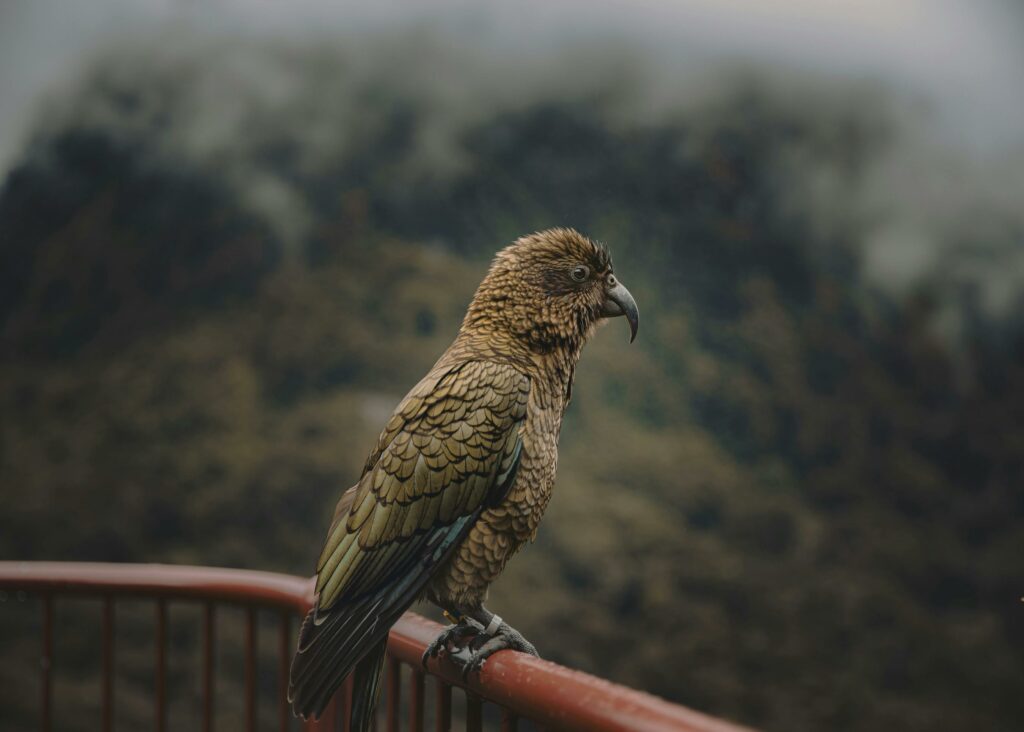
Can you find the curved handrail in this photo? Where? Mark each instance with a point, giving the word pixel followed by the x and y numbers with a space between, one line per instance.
pixel 160 580
pixel 552 695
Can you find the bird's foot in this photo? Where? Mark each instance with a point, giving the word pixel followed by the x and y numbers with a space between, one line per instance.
pixel 504 638
pixel 453 634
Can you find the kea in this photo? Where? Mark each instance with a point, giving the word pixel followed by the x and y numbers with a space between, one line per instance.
pixel 461 474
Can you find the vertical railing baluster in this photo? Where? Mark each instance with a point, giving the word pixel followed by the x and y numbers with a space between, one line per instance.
pixel 474 713
pixel 394 693
pixel 284 650
pixel 444 706
pixel 208 678
pixel 161 665
pixel 509 721
pixel 336 716
pixel 250 669
pixel 348 690
pixel 108 664
pixel 46 664
pixel 416 701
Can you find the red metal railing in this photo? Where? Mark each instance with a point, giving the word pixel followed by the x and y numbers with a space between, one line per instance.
pixel 522 687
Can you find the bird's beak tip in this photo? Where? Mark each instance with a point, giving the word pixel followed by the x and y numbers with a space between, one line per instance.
pixel 620 302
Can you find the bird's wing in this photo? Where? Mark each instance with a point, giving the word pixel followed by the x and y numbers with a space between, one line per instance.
pixel 450 450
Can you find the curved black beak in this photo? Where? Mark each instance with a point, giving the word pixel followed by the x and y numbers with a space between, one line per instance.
pixel 617 302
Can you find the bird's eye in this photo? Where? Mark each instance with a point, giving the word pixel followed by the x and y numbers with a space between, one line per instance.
pixel 579 273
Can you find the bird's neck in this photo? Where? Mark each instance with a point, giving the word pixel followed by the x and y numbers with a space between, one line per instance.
pixel 545 355
pixel 527 332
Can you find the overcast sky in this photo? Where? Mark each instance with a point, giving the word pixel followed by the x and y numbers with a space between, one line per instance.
pixel 964 57
pixel 954 67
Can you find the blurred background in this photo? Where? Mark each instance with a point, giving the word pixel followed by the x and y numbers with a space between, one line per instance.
pixel 233 234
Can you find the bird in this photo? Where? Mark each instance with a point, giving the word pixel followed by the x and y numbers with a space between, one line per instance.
pixel 460 475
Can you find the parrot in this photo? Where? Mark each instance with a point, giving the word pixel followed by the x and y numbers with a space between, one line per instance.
pixel 461 474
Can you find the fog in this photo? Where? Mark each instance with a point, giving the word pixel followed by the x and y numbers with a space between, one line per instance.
pixel 938 208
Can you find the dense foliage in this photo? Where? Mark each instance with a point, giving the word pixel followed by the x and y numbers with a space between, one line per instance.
pixel 788 503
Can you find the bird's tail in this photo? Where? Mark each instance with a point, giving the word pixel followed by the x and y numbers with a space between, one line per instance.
pixel 366 678
pixel 331 646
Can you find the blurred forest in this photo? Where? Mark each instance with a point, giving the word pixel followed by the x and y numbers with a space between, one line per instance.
pixel 794 501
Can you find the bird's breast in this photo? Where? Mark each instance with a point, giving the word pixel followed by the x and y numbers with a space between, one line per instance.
pixel 501 530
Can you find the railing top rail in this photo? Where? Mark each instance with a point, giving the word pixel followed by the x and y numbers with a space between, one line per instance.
pixel 160 580
pixel 556 696
pixel 540 690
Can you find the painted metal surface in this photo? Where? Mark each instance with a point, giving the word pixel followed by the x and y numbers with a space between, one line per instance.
pixel 524 688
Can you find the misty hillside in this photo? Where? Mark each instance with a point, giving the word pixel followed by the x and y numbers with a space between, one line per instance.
pixel 793 502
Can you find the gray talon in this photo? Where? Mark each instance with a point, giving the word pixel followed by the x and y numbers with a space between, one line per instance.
pixel 505 638
pixel 452 634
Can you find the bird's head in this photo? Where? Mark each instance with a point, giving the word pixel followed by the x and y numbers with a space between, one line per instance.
pixel 549 291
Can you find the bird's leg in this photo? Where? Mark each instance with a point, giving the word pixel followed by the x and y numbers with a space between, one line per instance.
pixel 497 635
pixel 462 626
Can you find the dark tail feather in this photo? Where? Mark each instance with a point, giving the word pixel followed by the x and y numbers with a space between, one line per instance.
pixel 350 636
pixel 366 688
pixel 318 668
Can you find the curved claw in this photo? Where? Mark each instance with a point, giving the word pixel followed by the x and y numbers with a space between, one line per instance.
pixel 506 638
pixel 453 633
